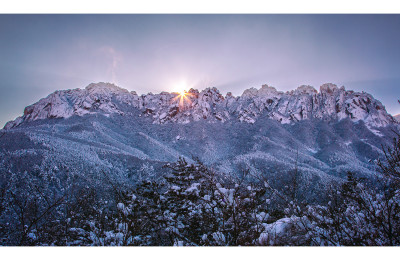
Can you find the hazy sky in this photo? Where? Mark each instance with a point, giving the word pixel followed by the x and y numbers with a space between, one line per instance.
pixel 152 53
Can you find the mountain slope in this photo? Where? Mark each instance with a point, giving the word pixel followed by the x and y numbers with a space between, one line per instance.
pixel 106 129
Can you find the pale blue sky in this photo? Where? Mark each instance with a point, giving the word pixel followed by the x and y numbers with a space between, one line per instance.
pixel 152 53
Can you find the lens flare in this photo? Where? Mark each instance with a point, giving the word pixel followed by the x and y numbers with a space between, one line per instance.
pixel 183 99
pixel 183 96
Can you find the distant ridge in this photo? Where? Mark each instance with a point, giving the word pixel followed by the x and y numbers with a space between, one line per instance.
pixel 305 102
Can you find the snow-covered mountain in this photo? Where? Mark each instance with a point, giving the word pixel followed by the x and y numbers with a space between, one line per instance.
pixel 107 129
pixel 330 103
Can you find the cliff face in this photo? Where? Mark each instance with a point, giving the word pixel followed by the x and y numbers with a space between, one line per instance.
pixel 305 102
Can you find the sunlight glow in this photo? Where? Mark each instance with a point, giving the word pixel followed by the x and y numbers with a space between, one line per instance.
pixel 183 95
pixel 180 88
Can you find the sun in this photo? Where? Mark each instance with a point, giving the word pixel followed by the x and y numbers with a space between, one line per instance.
pixel 182 96
pixel 181 88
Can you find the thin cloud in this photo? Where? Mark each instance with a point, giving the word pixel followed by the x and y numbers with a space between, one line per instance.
pixel 114 58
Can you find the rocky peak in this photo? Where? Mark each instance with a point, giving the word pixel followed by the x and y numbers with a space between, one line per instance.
pixel 329 88
pixel 305 89
pixel 250 93
pixel 104 86
pixel 264 91
pixel 211 95
pixel 193 91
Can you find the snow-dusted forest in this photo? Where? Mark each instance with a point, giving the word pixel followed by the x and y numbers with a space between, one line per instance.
pixel 192 205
